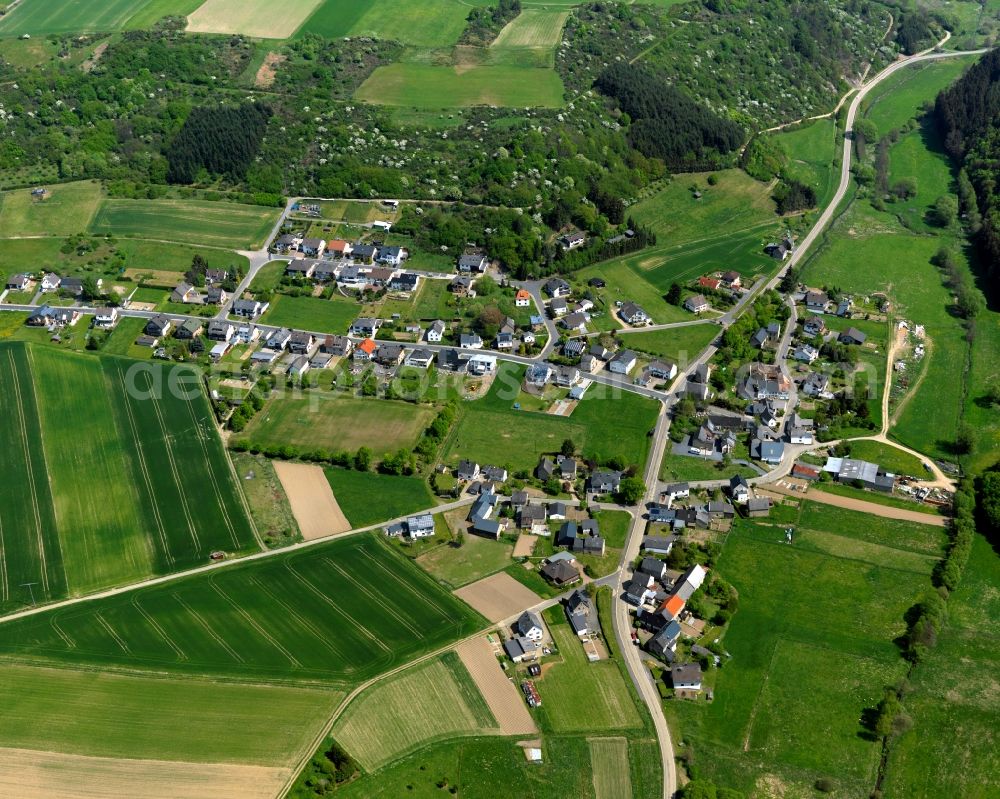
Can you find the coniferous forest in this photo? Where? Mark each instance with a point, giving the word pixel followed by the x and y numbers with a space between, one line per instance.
pixel 222 141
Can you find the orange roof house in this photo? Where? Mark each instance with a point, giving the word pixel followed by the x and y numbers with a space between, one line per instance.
pixel 709 282
pixel 368 346
pixel 674 605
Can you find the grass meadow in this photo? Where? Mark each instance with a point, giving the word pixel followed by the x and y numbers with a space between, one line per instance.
pixel 114 488
pixel 227 225
pixel 679 344
pixel 431 701
pixel 117 715
pixel 367 498
pixel 888 457
pixel 813 154
pixel 311 313
pixel 70 16
pixel 624 284
pixel 812 648
pixel 575 683
pixel 490 430
pixel 478 557
pixel 66 209
pixel 609 762
pixel 336 422
pixel 900 97
pixel 420 23
pixel 952 749
pixel 533 27
pixel 429 86
pixel 342 611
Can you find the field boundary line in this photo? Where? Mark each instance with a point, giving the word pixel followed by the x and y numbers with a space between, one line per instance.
pixel 54 624
pixel 144 469
pixel 305 623
pixel 200 436
pixel 760 693
pixel 208 629
pixel 157 627
pixel 30 468
pixel 350 619
pixel 253 623
pixel 375 598
pixel 111 631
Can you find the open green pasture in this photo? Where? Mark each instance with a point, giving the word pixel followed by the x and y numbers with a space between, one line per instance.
pixel 312 313
pixel 575 683
pixel 336 422
pixel 900 98
pixel 625 283
pixel 813 152
pixel 812 647
pixel 115 715
pixel 888 457
pixel 533 27
pixel 367 498
pixel 404 713
pixel 429 86
pixel 421 23
pixel 39 17
pixel 219 224
pixel 478 557
pixel 952 749
pixel 66 209
pixel 679 344
pixel 115 485
pixel 490 430
pixel 342 611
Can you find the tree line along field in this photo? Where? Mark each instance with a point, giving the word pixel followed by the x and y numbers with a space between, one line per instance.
pixel 491 430
pixel 337 612
pixel 102 487
pixel 227 225
pixel 812 646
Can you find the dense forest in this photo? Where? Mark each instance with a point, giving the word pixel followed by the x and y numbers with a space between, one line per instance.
pixel 666 123
pixel 221 141
pixel 968 115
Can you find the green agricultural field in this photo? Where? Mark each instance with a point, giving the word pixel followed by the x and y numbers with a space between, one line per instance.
pixel 812 647
pixel 491 430
pixel 227 225
pixel 312 313
pixel 481 768
pixel 965 760
pixel 609 761
pixel 532 28
pixel 431 701
pixel 679 344
pixel 159 257
pixel 336 422
pixel 428 86
pixel 152 11
pixel 367 498
pixel 70 16
pixel 257 18
pixel 735 203
pixel 421 23
pixel 813 153
pixel 576 683
pixel 317 614
pixel 109 715
pixel 65 210
pixel 685 467
pixel 478 557
pixel 900 97
pixel 143 488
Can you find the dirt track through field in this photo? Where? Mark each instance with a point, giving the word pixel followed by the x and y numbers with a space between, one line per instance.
pixel 313 504
pixel 500 694
pixel 498 596
pixel 30 774
pixel 860 505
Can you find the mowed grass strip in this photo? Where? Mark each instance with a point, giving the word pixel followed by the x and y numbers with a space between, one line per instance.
pixel 579 696
pixel 610 765
pixel 96 509
pixel 533 27
pixel 259 18
pixel 115 715
pixel 431 701
pixel 334 422
pixel 68 16
pixel 344 611
pixel 29 545
pixel 66 209
pixel 428 86
pixel 218 224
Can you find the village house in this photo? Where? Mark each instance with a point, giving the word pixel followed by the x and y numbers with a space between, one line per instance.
pixel 405 282
pixel 556 287
pixel 338 346
pixel 575 322
pixel 461 286
pixel 623 362
pixel 187 294
pixel 731 279
pixel 581 614
pixel 420 359
pixel 814 326
pixel 106 318
pixel 300 342
pixel 365 327
pixel 338 248
pixel 816 301
pixel 435 333
pixel 686 677
pixel 365 253
pixel 522 299
pixel 216 295
pixel 708 282
pixel 159 326
pixel 50 282
pixel 246 334
pixel 632 314
pixel 365 351
pixel 313 248
pixel 805 353
pixel 470 341
pixel 560 572
pixel 472 263
pixel 697 303
pixel 249 309
pixel 604 482
pixel 190 329
pixel 570 241
pixel 389 355
pixel 279 339
pixel 302 267
pixel 19 282
pixel 852 336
